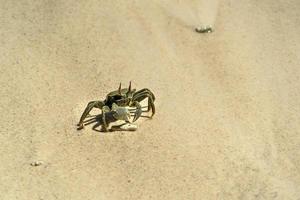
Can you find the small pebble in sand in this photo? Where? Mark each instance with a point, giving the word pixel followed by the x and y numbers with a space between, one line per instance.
pixel 36 163
pixel 204 29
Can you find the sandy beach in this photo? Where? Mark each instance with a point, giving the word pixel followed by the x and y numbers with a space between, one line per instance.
pixel 227 122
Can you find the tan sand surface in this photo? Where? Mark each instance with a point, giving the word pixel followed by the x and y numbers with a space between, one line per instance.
pixel 227 124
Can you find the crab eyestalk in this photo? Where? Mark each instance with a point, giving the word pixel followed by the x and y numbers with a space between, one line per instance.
pixel 120 88
pixel 129 88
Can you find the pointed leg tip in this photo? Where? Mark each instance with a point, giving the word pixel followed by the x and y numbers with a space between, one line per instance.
pixel 134 119
pixel 137 115
pixel 105 130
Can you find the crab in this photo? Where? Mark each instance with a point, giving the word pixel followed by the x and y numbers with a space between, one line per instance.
pixel 122 98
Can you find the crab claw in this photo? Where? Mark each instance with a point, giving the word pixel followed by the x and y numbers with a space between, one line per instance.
pixel 138 111
pixel 121 113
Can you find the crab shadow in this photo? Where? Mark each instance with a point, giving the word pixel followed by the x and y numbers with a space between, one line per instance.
pixel 97 122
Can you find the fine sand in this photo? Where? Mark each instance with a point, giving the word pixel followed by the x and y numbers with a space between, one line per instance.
pixel 227 122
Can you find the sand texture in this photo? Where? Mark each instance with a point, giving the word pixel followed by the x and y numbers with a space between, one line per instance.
pixel 227 123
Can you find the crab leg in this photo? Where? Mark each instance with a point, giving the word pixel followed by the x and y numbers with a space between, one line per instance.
pixel 141 96
pixel 104 109
pixel 147 91
pixel 89 107
pixel 138 111
pixel 134 109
